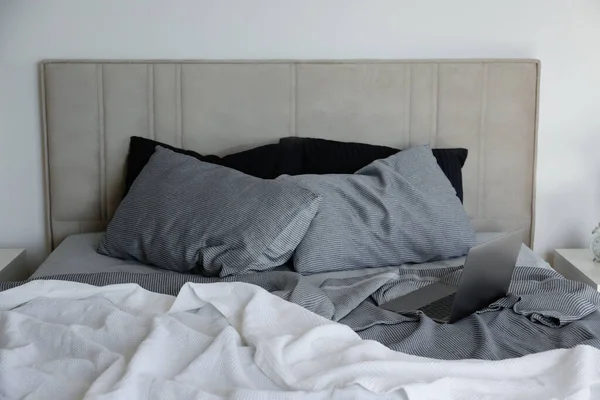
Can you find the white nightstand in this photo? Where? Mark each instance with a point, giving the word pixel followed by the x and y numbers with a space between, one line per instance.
pixel 12 265
pixel 578 265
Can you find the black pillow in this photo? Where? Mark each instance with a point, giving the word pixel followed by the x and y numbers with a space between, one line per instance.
pixel 296 156
pixel 320 156
pixel 261 162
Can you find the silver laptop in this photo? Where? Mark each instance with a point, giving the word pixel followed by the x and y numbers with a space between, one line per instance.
pixel 485 278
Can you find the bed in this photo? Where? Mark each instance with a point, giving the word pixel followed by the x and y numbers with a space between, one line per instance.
pixel 278 333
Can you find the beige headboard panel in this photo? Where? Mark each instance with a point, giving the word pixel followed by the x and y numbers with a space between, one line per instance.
pixel 91 108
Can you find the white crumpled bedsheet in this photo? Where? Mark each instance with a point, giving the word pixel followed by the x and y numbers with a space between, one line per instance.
pixel 63 340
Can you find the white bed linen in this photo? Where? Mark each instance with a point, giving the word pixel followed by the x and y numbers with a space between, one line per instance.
pixel 64 340
pixel 77 254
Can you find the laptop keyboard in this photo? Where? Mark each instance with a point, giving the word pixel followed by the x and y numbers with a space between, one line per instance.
pixel 439 309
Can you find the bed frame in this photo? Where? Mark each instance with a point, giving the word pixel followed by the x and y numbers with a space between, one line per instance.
pixel 91 108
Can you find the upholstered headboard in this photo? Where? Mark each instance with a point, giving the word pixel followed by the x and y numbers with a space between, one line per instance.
pixel 91 108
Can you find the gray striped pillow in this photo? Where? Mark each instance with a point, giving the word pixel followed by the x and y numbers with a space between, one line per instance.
pixel 401 209
pixel 182 214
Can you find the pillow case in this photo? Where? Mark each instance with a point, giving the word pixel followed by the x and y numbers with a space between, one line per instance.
pixel 321 156
pixel 261 162
pixel 183 214
pixel 398 210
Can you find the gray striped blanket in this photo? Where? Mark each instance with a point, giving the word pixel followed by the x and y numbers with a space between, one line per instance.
pixel 542 312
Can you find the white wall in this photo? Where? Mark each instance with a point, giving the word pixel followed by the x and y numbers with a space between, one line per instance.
pixel 565 35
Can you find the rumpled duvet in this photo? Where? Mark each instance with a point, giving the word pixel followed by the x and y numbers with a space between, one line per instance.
pixel 66 340
pixel 546 331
